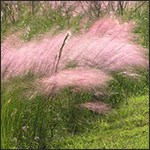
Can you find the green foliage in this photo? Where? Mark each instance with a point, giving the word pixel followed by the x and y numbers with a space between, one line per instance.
pixel 123 87
pixel 126 127
pixel 32 25
pixel 36 121
pixel 141 18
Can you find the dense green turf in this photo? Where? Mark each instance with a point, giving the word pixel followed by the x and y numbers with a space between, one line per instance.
pixel 126 127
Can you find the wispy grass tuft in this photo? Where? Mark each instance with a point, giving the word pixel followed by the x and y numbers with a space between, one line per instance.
pixel 101 47
pixel 32 120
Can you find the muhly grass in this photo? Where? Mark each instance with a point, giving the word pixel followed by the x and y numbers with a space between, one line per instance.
pixel 107 47
pixel 39 122
pixel 78 78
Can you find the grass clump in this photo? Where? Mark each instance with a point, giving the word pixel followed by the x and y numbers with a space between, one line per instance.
pixel 38 120
pixel 57 122
pixel 35 121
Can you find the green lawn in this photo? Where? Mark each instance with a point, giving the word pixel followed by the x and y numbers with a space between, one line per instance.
pixel 126 127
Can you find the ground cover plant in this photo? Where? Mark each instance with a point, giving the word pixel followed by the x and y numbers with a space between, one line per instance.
pixel 52 82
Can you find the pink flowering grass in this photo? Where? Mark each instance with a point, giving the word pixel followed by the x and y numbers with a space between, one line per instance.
pixel 106 46
pixel 79 78
pixel 35 56
pixel 96 106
